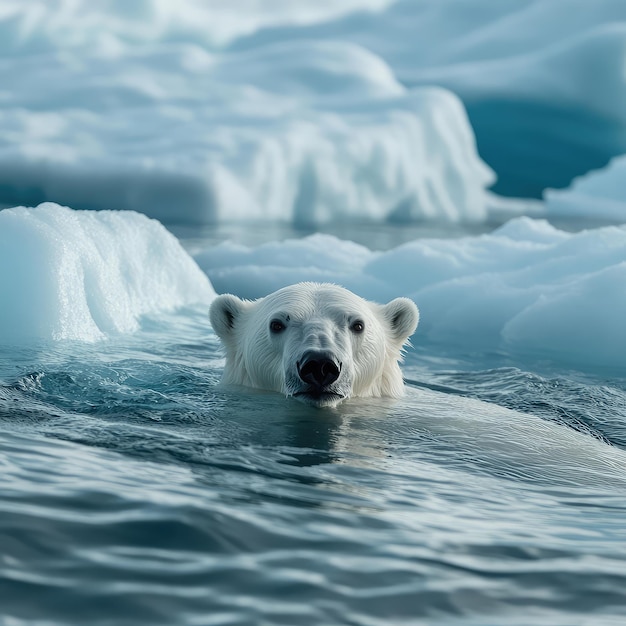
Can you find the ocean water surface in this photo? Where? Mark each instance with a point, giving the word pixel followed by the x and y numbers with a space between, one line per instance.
pixel 136 491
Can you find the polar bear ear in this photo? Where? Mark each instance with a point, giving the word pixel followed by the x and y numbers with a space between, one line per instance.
pixel 224 312
pixel 403 316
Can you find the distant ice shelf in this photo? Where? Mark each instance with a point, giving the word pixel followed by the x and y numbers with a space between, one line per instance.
pixel 306 113
pixel 543 82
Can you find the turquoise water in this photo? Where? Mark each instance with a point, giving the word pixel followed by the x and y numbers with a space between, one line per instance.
pixel 134 491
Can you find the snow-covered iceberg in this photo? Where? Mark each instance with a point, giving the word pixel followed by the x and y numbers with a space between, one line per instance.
pixel 527 289
pixel 306 112
pixel 600 195
pixel 543 82
pixel 190 138
pixel 149 112
pixel 408 158
pixel 83 275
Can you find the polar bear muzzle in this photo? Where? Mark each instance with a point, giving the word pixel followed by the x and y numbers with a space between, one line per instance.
pixel 318 369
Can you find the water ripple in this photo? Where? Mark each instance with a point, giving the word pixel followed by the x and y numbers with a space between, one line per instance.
pixel 136 492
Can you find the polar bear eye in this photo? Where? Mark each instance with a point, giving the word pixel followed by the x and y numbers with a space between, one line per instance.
pixel 276 326
pixel 357 327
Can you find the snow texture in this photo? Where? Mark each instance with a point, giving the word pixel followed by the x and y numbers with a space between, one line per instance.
pixel 600 194
pixel 145 109
pixel 306 112
pixel 85 275
pixel 527 288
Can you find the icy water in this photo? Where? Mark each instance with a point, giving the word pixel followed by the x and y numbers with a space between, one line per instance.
pixel 133 491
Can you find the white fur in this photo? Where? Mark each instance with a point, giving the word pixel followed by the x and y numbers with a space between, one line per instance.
pixel 317 317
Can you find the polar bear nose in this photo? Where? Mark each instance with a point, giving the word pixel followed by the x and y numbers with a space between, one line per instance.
pixel 318 369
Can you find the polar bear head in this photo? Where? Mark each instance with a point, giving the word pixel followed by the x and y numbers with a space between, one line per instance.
pixel 319 343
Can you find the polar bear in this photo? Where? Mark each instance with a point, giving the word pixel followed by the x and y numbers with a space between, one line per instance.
pixel 316 342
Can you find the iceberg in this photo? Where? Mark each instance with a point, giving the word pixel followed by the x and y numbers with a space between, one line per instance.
pixel 527 289
pixel 86 275
pixel 544 87
pixel 154 116
pixel 600 195
pixel 245 154
pixel 568 97
pixel 306 113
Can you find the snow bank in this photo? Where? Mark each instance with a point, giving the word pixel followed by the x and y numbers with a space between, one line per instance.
pixel 527 288
pixel 83 275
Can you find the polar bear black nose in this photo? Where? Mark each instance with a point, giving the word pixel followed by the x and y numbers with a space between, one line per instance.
pixel 318 369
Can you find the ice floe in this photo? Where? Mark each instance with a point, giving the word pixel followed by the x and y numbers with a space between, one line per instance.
pixel 528 288
pixel 84 275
